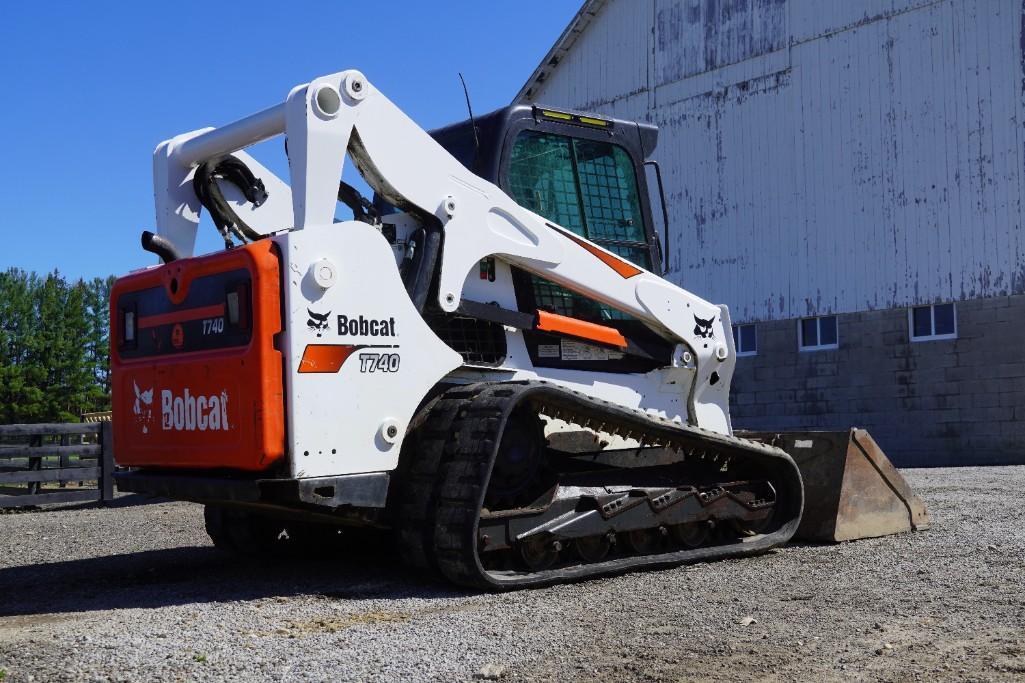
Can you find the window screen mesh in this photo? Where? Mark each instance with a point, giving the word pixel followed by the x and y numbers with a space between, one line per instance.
pixel 541 178
pixel 588 187
pixel 608 192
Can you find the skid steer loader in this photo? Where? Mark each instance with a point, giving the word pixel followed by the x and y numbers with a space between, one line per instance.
pixel 484 360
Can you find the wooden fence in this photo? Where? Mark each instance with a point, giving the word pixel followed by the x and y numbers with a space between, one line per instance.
pixel 55 463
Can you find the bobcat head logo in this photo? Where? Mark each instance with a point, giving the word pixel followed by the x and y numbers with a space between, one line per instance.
pixel 703 328
pixel 317 321
pixel 142 410
pixel 142 398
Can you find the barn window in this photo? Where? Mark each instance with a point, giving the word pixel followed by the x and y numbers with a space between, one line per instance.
pixel 745 339
pixel 818 333
pixel 928 323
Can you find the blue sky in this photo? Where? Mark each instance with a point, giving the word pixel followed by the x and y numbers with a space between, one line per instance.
pixel 90 88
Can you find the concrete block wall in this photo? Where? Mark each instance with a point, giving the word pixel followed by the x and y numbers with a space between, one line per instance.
pixel 928 403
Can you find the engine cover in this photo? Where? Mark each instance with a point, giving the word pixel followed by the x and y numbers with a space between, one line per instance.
pixel 195 375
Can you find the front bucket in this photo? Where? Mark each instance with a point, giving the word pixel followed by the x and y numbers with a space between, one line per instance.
pixel 851 489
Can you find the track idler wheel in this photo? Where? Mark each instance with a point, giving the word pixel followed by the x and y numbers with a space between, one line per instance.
pixel 539 554
pixel 592 548
pixel 646 541
pixel 691 535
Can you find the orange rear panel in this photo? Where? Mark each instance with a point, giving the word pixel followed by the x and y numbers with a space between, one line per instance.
pixel 196 380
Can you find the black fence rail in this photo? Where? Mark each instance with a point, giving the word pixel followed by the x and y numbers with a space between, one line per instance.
pixel 55 463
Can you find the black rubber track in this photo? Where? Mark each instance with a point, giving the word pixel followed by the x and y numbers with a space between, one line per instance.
pixel 425 445
pixel 455 448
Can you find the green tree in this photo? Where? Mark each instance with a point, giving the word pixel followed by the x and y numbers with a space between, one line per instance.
pixel 54 347
pixel 98 341
pixel 21 398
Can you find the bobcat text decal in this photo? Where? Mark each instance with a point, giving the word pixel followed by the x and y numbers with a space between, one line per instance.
pixel 329 358
pixel 379 362
pixel 366 327
pixel 190 413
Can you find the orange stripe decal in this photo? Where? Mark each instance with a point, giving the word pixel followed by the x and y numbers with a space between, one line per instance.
pixel 624 268
pixel 326 357
pixel 553 322
pixel 214 311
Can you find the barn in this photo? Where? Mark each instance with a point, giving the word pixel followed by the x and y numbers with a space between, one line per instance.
pixel 847 176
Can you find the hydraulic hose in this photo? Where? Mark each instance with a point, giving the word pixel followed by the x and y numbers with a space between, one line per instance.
pixel 229 169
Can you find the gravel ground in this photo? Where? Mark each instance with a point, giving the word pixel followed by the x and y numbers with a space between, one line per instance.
pixel 137 593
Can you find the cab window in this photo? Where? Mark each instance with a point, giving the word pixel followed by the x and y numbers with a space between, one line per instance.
pixel 588 187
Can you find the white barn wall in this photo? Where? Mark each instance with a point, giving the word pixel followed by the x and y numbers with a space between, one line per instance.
pixel 608 62
pixel 812 19
pixel 822 156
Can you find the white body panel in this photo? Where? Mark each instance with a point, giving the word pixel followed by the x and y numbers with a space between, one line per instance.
pixel 336 420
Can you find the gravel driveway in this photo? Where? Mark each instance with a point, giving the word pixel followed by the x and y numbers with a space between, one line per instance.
pixel 136 592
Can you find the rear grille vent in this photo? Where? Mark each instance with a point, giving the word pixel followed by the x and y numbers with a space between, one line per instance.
pixel 479 342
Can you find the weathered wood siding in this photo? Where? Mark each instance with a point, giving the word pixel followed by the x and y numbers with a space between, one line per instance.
pixel 823 155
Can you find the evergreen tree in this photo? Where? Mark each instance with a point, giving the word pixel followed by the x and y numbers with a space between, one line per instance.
pixel 54 347
pixel 20 396
pixel 98 341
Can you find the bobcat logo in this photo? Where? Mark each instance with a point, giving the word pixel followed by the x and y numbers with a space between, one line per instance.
pixel 143 401
pixel 703 328
pixel 317 321
pixel 141 398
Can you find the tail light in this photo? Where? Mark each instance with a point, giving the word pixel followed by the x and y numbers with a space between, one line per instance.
pixel 128 328
pixel 238 306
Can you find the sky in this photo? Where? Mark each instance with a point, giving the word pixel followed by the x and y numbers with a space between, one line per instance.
pixel 90 89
